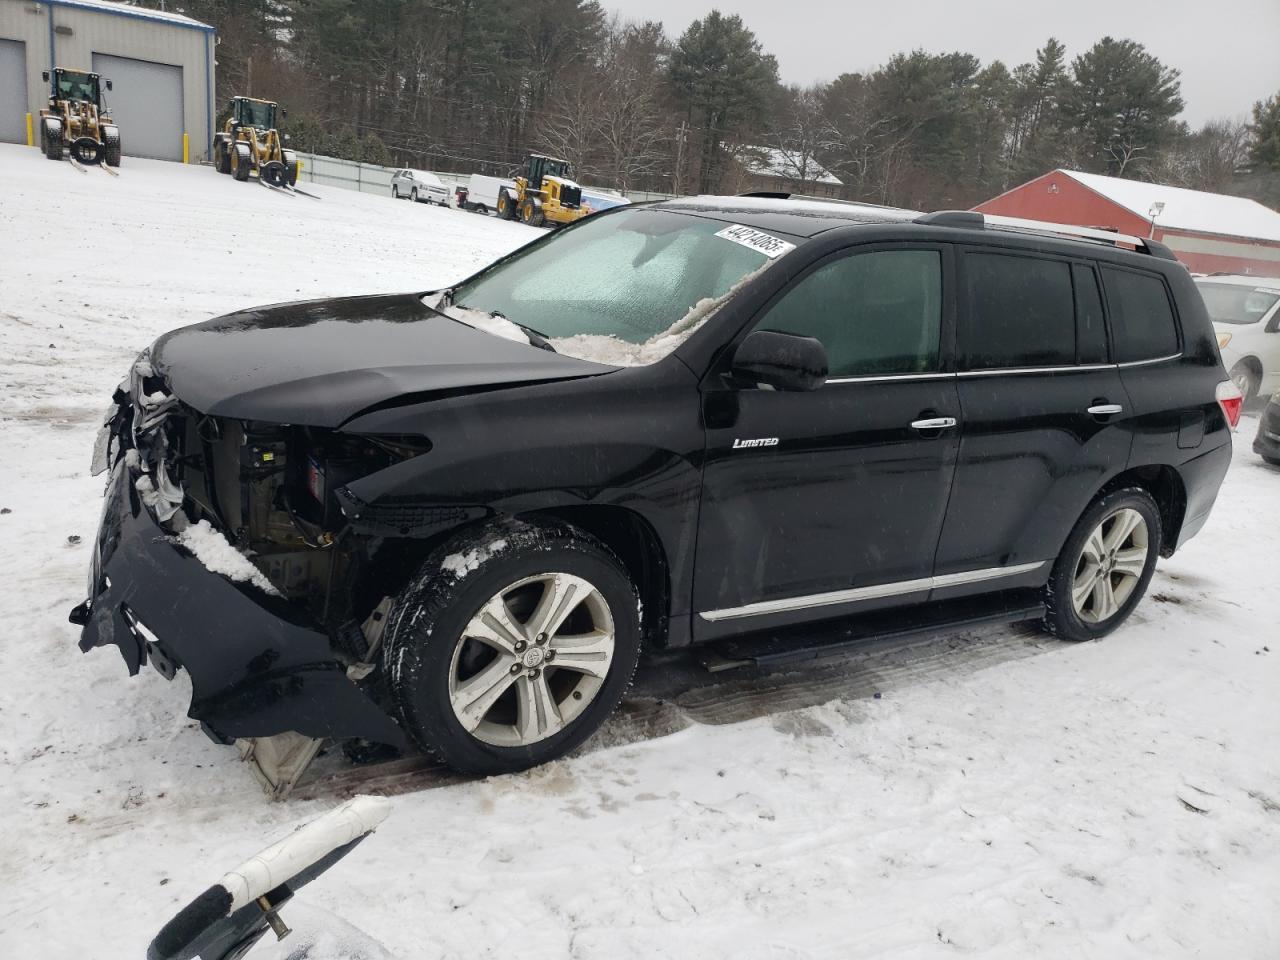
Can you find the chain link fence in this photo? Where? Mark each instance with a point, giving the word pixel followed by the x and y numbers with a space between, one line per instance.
pixel 372 178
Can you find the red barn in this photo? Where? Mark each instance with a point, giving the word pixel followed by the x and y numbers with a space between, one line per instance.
pixel 1209 232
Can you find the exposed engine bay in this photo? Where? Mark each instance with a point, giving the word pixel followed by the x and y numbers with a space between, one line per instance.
pixel 272 490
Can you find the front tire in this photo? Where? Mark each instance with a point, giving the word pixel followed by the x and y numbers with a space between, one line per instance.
pixel 413 194
pixel 512 646
pixel 241 165
pixel 52 144
pixel 1105 566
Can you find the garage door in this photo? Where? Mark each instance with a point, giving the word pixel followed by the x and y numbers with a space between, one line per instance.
pixel 13 91
pixel 146 103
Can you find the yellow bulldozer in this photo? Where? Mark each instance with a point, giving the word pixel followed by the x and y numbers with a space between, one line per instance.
pixel 250 145
pixel 542 194
pixel 77 119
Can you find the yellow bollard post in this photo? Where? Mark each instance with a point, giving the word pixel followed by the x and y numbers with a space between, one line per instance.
pixel 31 136
pixel 186 149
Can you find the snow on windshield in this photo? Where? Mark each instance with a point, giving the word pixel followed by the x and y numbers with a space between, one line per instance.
pixel 625 289
pixel 603 348
pixel 621 353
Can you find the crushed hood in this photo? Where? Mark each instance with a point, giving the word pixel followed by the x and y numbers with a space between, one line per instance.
pixel 321 362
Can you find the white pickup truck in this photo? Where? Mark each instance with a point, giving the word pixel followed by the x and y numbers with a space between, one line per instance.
pixel 481 192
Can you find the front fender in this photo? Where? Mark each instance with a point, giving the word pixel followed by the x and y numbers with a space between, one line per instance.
pixel 633 440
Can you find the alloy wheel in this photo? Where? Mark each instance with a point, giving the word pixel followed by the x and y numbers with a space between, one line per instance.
pixel 1110 566
pixel 531 659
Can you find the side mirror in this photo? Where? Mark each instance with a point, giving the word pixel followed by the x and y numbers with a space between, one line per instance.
pixel 46 76
pixel 781 360
pixel 284 114
pixel 108 84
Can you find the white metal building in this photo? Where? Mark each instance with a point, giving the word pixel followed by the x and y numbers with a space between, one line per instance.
pixel 161 66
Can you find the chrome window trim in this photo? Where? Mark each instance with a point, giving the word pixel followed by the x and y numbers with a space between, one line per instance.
pixel 881 378
pixel 1006 371
pixel 875 592
pixel 1144 363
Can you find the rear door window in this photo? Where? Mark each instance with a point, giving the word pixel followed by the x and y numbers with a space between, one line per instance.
pixel 876 313
pixel 1018 312
pixel 1142 321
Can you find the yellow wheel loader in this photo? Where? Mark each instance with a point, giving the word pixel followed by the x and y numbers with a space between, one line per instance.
pixel 249 144
pixel 543 194
pixel 77 119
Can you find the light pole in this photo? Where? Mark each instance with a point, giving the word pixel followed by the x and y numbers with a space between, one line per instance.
pixel 1157 208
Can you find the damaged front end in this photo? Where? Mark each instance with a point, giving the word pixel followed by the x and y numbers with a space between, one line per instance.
pixel 223 550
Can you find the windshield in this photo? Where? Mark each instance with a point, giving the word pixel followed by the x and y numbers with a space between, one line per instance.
pixel 77 85
pixel 1229 303
pixel 254 113
pixel 629 278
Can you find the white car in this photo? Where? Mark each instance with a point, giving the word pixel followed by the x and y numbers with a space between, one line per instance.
pixel 419 186
pixel 1246 316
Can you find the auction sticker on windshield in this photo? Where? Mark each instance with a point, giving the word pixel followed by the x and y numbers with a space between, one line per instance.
pixel 757 240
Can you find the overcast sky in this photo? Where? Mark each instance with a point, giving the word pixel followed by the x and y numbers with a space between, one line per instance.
pixel 1228 50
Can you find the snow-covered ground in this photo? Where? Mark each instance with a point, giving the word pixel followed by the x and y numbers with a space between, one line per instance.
pixel 1014 797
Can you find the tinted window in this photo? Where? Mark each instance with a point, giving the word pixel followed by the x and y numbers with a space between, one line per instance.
pixel 1019 312
pixel 1141 317
pixel 1091 330
pixel 876 313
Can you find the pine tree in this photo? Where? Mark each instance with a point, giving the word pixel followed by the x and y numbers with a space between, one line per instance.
pixel 725 80
pixel 1266 133
pixel 1122 103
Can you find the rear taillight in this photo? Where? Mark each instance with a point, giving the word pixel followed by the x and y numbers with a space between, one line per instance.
pixel 1230 399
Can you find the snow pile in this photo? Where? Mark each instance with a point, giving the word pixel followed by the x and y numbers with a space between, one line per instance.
pixel 213 550
pixel 460 564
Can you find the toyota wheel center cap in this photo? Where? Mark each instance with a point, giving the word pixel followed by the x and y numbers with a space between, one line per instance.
pixel 533 657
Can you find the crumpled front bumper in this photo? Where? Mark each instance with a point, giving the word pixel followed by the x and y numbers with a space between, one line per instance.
pixel 258 667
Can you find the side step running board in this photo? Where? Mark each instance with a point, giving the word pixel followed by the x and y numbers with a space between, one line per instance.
pixel 870 630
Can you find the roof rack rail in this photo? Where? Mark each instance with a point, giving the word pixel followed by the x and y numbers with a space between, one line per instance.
pixel 977 221
pixel 782 195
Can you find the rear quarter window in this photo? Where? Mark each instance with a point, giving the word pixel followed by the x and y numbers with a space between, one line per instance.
pixel 1143 326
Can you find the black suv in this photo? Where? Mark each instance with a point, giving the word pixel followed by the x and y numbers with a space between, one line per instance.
pixel 457 517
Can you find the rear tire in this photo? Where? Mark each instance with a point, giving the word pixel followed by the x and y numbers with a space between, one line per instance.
pixel 1105 566
pixel 111 153
pixel 221 157
pixel 1247 380
pixel 413 194
pixel 483 672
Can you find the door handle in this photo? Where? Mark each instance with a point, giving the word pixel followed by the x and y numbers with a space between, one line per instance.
pixel 933 423
pixel 1105 409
